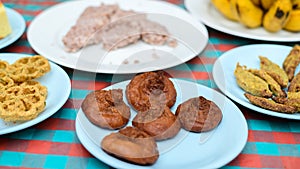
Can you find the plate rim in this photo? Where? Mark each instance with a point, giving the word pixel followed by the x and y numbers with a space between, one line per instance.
pixel 243 140
pixel 16 16
pixel 56 108
pixel 206 21
pixel 235 98
pixel 199 27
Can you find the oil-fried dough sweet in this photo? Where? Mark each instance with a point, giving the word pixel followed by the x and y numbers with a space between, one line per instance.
pixel 270 104
pixel 292 99
pixel 199 114
pixel 132 145
pixel 274 71
pixel 149 89
pixel 274 86
pixel 21 108
pixel 158 122
pixel 106 108
pixel 295 84
pixel 251 83
pixel 292 61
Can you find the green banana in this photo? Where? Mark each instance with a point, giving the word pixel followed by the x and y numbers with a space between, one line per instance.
pixel 223 6
pixel 293 24
pixel 247 13
pixel 277 16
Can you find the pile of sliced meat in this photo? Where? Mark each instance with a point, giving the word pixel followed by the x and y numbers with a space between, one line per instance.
pixel 114 28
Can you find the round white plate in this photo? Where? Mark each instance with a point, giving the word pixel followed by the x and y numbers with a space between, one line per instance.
pixel 47 29
pixel 207 13
pixel 57 94
pixel 186 150
pixel 17 24
pixel 223 71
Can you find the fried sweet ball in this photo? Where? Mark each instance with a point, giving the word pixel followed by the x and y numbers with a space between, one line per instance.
pixel 199 114
pixel 270 104
pixel 158 122
pixel 251 83
pixel 292 61
pixel 295 84
pixel 274 71
pixel 106 108
pixel 150 88
pixel 132 145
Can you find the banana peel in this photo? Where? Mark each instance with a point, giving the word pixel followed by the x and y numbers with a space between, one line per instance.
pixel 277 16
pixel 223 6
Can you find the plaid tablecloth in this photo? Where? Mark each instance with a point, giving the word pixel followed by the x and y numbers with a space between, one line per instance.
pixel 272 142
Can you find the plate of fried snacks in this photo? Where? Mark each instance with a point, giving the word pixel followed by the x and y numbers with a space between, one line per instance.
pixel 29 90
pixel 272 20
pixel 117 36
pixel 152 119
pixel 12 26
pixel 262 77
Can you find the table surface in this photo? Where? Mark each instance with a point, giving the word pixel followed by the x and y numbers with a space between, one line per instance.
pixel 272 142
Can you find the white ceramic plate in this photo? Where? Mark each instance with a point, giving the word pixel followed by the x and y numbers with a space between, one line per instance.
pixel 57 94
pixel 207 13
pixel 47 29
pixel 17 24
pixel 223 71
pixel 186 150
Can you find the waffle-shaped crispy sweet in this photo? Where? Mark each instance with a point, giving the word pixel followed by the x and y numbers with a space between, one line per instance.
pixel 22 108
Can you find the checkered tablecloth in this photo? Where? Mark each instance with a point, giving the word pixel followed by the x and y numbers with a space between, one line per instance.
pixel 272 142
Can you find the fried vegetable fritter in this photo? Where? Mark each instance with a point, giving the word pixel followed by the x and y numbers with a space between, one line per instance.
pixel 274 71
pixel 274 86
pixel 270 104
pixel 251 83
pixel 291 62
pixel 292 99
pixel 295 84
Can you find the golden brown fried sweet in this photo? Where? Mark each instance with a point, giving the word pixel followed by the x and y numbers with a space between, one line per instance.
pixel 274 71
pixel 158 122
pixel 270 104
pixel 274 86
pixel 251 83
pixel 295 84
pixel 292 99
pixel 292 61
pixel 131 144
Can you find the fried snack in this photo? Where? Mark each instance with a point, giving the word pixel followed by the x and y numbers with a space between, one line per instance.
pixel 132 145
pixel 3 65
pixel 21 108
pixel 291 62
pixel 199 114
pixel 106 108
pixel 274 71
pixel 149 89
pixel 28 68
pixel 274 86
pixel 292 99
pixel 5 82
pixel 270 104
pixel 42 89
pixel 251 83
pixel 295 84
pixel 158 122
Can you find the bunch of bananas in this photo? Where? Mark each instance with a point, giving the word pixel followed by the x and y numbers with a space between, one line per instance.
pixel 273 15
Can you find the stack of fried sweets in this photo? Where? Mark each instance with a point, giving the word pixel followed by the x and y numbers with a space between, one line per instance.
pixel 266 87
pixel 151 94
pixel 273 15
pixel 22 98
